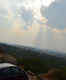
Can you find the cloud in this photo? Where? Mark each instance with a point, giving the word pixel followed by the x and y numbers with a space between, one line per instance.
pixel 4 13
pixel 28 10
pixel 27 16
pixel 47 3
pixel 22 36
pixel 56 14
pixel 58 30
pixel 33 23
pixel 4 4
pixel 53 39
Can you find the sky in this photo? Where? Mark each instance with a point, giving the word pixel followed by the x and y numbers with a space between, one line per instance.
pixel 35 23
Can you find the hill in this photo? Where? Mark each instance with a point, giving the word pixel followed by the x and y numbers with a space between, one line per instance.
pixel 36 60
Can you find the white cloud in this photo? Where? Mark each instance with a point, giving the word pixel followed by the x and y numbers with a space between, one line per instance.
pixel 47 37
pixel 33 5
pixel 47 3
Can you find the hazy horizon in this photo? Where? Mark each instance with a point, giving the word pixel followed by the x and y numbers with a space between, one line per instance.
pixel 38 23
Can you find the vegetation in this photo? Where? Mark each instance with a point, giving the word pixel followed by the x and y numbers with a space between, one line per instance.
pixel 34 60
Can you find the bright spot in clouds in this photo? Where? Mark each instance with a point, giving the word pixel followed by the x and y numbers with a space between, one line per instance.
pixel 33 5
pixel 47 3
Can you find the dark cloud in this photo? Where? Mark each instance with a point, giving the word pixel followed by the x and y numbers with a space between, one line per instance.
pixel 26 15
pixel 56 14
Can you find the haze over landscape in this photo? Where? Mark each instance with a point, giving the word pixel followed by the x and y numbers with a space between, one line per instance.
pixel 36 23
pixel 33 39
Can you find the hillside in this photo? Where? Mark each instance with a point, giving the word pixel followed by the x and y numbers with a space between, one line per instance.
pixel 36 60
